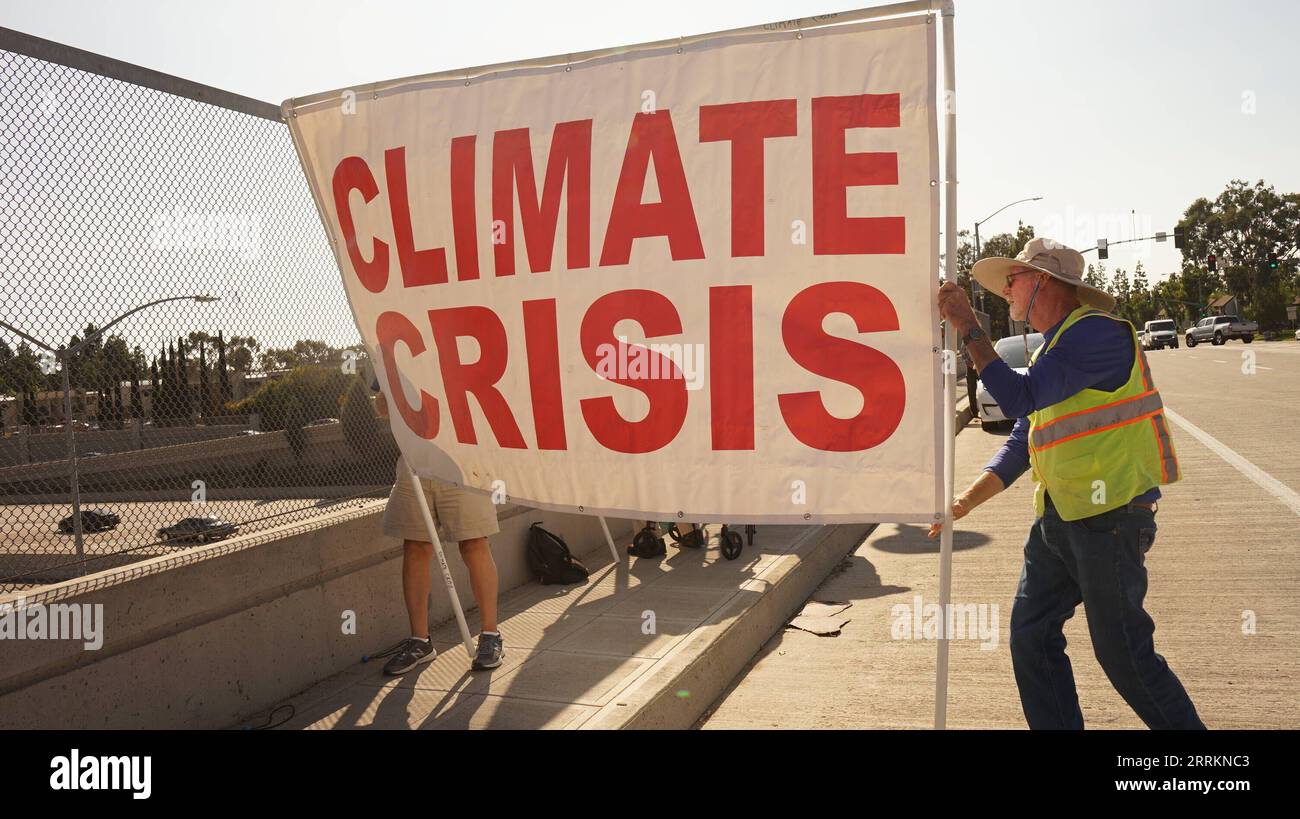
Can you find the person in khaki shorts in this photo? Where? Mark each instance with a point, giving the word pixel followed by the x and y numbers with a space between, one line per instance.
pixel 467 517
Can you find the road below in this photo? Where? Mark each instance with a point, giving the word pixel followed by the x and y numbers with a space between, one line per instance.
pixel 1224 576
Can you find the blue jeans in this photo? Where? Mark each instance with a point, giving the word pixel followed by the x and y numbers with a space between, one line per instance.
pixel 1097 561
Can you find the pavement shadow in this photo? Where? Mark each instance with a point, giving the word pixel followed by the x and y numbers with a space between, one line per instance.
pixel 525 680
pixel 567 676
pixel 854 580
pixel 911 540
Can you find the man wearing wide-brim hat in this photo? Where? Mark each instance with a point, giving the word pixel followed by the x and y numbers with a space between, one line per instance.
pixel 1092 429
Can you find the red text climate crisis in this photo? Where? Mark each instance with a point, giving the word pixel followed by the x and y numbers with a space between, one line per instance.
pixel 651 139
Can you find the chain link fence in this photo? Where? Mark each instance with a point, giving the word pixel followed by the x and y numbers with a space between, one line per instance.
pixel 239 398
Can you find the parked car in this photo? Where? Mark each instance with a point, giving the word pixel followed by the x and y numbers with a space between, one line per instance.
pixel 1158 334
pixel 92 455
pixel 201 530
pixel 248 432
pixel 1012 350
pixel 320 422
pixel 1218 330
pixel 92 520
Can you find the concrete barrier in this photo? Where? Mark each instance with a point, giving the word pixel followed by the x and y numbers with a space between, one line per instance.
pixel 205 638
pixel 325 445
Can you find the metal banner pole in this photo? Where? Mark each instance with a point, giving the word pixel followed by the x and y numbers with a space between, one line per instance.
pixel 442 559
pixel 949 372
pixel 613 550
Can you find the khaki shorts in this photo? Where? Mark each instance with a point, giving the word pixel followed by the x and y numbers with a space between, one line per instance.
pixel 462 514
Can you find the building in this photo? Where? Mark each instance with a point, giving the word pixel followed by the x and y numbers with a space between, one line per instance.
pixel 1225 305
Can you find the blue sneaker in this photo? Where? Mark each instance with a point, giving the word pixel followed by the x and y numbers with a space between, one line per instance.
pixel 490 652
pixel 408 654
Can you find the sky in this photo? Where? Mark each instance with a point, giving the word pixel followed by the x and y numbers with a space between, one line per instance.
pixel 1117 114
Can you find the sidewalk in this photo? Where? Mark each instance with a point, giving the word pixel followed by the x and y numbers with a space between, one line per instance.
pixel 642 644
pixel 590 656
pixel 1202 579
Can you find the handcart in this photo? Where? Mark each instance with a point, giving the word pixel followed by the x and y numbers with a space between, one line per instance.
pixel 694 537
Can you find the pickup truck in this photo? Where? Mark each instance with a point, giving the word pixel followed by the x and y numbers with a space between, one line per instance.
pixel 1158 334
pixel 1219 329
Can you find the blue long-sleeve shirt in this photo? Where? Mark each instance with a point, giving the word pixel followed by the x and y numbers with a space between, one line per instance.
pixel 1097 353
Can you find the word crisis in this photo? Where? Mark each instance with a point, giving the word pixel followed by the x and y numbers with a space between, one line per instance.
pixel 651 139
pixel 652 143
pixel 730 371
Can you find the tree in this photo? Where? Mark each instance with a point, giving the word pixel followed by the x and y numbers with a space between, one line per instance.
pixel 205 386
pixel 1141 309
pixel 7 385
pixel 119 406
pixel 137 404
pixel 1119 288
pixel 154 393
pixel 20 370
pixel 358 418
pixel 312 391
pixel 172 392
pixel 1244 226
pixel 223 377
pixel 197 338
pixel 115 367
pixel 185 399
pixel 302 353
pixel 242 352
pixel 1095 276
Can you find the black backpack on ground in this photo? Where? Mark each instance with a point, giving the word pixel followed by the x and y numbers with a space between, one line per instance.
pixel 549 558
pixel 648 542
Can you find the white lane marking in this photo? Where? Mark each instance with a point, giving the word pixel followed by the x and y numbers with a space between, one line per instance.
pixel 1218 361
pixel 1258 367
pixel 1261 478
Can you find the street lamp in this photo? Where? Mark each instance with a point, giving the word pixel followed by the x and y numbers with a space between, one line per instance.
pixel 977 239
pixel 65 355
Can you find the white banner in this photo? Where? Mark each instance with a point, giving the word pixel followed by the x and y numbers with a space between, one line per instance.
pixel 691 282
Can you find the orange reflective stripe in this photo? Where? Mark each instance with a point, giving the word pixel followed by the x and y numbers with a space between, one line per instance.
pixel 1124 422
pixel 1164 468
pixel 1061 418
pixel 1106 416
pixel 1169 471
pixel 1146 369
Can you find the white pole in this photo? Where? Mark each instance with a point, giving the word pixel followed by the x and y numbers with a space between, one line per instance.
pixel 613 550
pixel 442 559
pixel 950 371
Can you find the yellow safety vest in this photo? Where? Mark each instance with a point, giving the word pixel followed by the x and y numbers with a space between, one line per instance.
pixel 1096 450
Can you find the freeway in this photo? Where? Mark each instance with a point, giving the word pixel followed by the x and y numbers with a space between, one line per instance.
pixel 30 540
pixel 1224 573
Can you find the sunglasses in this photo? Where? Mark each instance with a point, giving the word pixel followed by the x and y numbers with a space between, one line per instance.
pixel 1011 276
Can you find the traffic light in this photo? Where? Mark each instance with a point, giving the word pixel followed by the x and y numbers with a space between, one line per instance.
pixel 1103 251
pixel 1212 263
pixel 1272 262
pixel 1180 237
